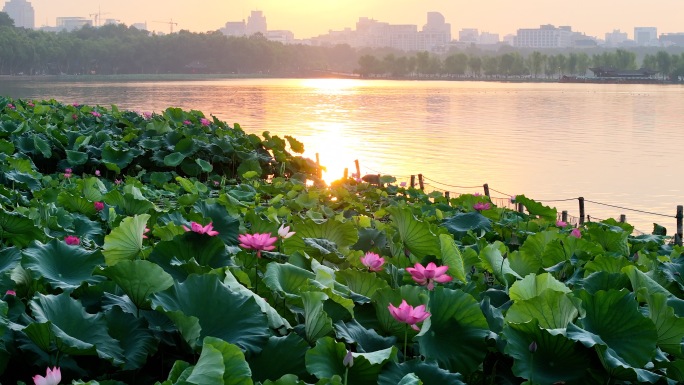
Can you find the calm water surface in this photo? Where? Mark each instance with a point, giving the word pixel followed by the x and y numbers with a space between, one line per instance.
pixel 614 144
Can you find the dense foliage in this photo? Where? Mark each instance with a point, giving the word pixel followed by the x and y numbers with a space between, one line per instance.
pixel 153 249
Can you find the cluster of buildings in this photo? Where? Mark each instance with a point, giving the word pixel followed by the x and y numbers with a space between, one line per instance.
pixel 434 36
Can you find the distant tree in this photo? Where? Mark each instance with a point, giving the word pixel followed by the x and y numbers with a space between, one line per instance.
pixel 536 62
pixel 475 65
pixel 663 63
pixel 6 20
pixel 456 64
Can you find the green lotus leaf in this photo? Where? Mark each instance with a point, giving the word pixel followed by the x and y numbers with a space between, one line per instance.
pixel 410 379
pixel 288 379
pixel 537 250
pixel 325 361
pixel 555 360
pixel 204 165
pixel 428 373
pixel 614 321
pixel 670 328
pixel 228 227
pixel 18 230
pixel 134 336
pixel 129 203
pixel 125 241
pixel 280 356
pixel 9 258
pixel 250 164
pixel 369 239
pixel 363 283
pixel 537 209
pixel 23 179
pixel 415 235
pixel 202 306
pixel 42 145
pixel 76 203
pixel 611 239
pixel 414 296
pixel 220 363
pixel 93 189
pixel 451 256
pixel 602 280
pixel 492 257
pixel 643 283
pixel 204 249
pixel 366 340
pixel 534 285
pixel 75 331
pixel 317 323
pixel 456 338
pixel 295 145
pixel 186 146
pixel 138 279
pixel 6 147
pixel 63 266
pixel 287 279
pixel 343 234
pixel 606 263
pixel 173 159
pixel 275 321
pixel 119 154
pixel 552 309
pixel 461 223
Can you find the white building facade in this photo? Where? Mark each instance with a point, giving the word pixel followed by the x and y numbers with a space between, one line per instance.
pixel 546 36
pixel 21 11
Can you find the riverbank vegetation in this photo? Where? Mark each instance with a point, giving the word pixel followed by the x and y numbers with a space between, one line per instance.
pixel 172 248
pixel 118 49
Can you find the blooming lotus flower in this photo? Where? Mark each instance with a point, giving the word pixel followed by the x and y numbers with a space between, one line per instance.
pixel 96 114
pixel 407 314
pixel 99 206
pixel 74 116
pixel 147 230
pixel 30 104
pixel 68 170
pixel 147 115
pixel 52 377
pixel 561 223
pixel 97 173
pixel 258 241
pixel 576 233
pixel 72 240
pixel 479 206
pixel 373 261
pixel 284 231
pixel 197 228
pixel 117 181
pixel 75 104
pixel 11 292
pixel 205 122
pixel 10 106
pixel 428 275
pixel 187 122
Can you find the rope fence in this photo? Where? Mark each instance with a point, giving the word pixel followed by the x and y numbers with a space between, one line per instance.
pixel 508 201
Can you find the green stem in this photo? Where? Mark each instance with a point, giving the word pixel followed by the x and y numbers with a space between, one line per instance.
pixel 405 340
pixel 346 375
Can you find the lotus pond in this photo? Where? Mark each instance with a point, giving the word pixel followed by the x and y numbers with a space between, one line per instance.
pixel 171 248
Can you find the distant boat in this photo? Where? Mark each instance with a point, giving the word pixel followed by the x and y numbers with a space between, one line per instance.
pixel 610 75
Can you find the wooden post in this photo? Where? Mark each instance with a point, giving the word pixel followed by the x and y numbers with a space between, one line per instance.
pixel 446 195
pixel 623 218
pixel 588 218
pixel 521 208
pixel 420 182
pixel 486 189
pixel 564 215
pixel 680 215
pixel 346 173
pixel 318 160
pixel 358 169
pixel 581 210
pixel 413 181
pixel 318 163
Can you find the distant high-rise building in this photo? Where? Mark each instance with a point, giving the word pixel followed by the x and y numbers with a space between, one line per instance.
pixel 140 26
pixel 646 35
pixel 71 23
pixel 668 39
pixel 616 38
pixel 235 28
pixel 469 36
pixel 546 36
pixel 489 38
pixel 256 23
pixel 21 11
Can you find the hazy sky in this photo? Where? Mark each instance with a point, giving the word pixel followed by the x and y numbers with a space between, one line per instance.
pixel 307 18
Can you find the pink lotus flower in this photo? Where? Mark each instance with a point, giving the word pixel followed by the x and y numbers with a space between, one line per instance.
pixel 74 116
pixel 348 360
pixel 75 104
pixel 68 170
pixel 576 233
pixel 205 122
pixel 258 241
pixel 67 175
pixel 428 275
pixel 197 228
pixel 10 106
pixel 402 184
pixel 97 173
pixel 479 206
pixel 52 377
pixel 284 231
pixel 373 261
pixel 11 292
pixel 96 114
pixel 147 230
pixel 216 183
pixel 561 223
pixel 407 314
pixel 99 206
pixel 187 122
pixel 147 115
pixel 30 104
pixel 72 240
pixel 117 181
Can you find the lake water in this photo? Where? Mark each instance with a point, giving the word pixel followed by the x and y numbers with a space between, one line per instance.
pixel 617 145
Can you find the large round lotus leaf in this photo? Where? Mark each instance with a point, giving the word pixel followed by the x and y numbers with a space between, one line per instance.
pixel 139 279
pixel 134 335
pixel 202 306
pixel 428 372
pixel 204 249
pixel 119 154
pixel 228 227
pixel 533 285
pixel 556 358
pixel 456 337
pixel 269 364
pixel 343 235
pixel 365 340
pixel 220 363
pixel 63 266
pixel 613 320
pixel 325 360
pixel 18 230
pixel 415 234
pixel 76 332
pixel 125 241
pixel 460 224
pixel 287 279
pixel 670 327
pixel 553 310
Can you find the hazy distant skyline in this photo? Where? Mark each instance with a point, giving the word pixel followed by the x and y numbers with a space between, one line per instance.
pixel 309 18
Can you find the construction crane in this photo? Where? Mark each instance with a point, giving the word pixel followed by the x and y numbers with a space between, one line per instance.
pixel 170 23
pixel 97 17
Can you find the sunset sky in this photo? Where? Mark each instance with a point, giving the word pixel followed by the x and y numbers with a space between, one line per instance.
pixel 307 18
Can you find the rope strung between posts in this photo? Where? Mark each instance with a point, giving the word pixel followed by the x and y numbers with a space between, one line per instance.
pixel 626 208
pixel 449 185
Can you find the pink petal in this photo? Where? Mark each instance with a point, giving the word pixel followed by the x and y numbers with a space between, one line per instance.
pixel 185 228
pixel 443 278
pixel 441 270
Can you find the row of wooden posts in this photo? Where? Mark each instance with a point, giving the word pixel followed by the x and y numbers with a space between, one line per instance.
pixel 564 214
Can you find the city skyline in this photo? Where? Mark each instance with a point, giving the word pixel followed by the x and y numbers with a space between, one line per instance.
pixel 308 18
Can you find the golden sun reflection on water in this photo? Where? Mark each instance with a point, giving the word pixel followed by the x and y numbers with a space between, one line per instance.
pixel 331 86
pixel 332 148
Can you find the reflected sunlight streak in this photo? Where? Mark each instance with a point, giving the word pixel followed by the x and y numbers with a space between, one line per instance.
pixel 332 86
pixel 336 150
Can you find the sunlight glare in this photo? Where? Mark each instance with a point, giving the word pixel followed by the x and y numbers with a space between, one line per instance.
pixel 332 86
